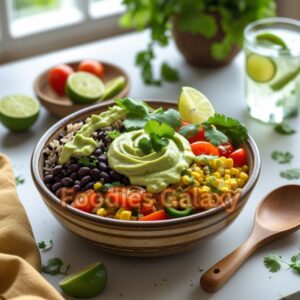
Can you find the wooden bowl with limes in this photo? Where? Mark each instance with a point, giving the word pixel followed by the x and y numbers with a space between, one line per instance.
pixel 62 106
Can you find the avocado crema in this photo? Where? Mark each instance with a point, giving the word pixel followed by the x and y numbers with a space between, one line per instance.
pixel 82 143
pixel 155 170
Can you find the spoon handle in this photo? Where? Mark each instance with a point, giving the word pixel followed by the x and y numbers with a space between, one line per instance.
pixel 218 274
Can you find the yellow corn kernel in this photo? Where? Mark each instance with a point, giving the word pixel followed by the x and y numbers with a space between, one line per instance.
pixel 227 176
pixel 224 189
pixel 229 163
pixel 233 184
pixel 227 171
pixel 185 180
pixel 196 183
pixel 197 169
pixel 234 171
pixel 118 213
pixel 245 168
pixel 217 174
pixel 223 160
pixel 201 162
pixel 97 186
pixel 196 175
pixel 205 188
pixel 221 171
pixel 125 215
pixel 240 182
pixel 244 176
pixel 201 178
pixel 101 212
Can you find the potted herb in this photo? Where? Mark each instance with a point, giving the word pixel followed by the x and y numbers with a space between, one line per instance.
pixel 208 33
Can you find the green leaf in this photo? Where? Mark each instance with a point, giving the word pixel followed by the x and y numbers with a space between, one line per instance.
pixel 88 161
pixel 136 107
pixel 107 186
pixel 54 266
pixel 145 145
pixel 166 130
pixel 152 126
pixel 45 246
pixel 189 130
pixel 158 143
pixel 168 73
pixel 19 180
pixel 295 266
pixel 284 129
pixel 282 157
pixel 295 258
pixel 213 135
pixel 230 127
pixel 170 117
pixel 291 174
pixel 113 134
pixel 272 262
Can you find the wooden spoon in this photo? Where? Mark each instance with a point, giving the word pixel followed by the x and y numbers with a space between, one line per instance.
pixel 277 215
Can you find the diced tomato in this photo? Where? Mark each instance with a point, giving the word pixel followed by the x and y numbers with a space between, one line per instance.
pixel 57 78
pixel 91 66
pixel 239 157
pixel 207 148
pixel 155 216
pixel 82 201
pixel 226 149
pixel 199 136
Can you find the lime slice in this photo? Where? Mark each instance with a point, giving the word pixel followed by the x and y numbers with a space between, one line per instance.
pixel 113 87
pixel 285 79
pixel 193 106
pixel 83 87
pixel 271 38
pixel 18 112
pixel 260 68
pixel 86 283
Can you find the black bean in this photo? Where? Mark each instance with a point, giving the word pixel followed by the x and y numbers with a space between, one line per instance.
pixel 58 193
pixel 76 187
pixel 102 166
pixel 85 180
pixel 89 186
pixel 98 152
pixel 58 178
pixel 56 186
pixel 105 177
pixel 101 135
pixel 77 182
pixel 61 135
pixel 102 158
pixel 125 181
pixel 57 169
pixel 74 176
pixel 84 171
pixel 95 173
pixel 73 168
pixel 49 186
pixel 113 174
pixel 48 178
pixel 49 147
pixel 67 181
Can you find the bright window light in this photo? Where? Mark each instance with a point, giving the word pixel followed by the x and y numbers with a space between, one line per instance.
pixel 103 8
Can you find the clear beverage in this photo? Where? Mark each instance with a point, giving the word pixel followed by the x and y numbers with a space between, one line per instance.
pixel 272 48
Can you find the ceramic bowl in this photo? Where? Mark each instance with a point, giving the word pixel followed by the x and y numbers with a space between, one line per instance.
pixel 63 106
pixel 139 238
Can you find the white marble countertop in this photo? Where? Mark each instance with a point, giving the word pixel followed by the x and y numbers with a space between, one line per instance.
pixel 175 277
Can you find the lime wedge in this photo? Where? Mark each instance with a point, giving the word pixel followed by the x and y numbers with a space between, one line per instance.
pixel 285 79
pixel 260 68
pixel 86 283
pixel 113 87
pixel 193 106
pixel 18 112
pixel 83 87
pixel 271 38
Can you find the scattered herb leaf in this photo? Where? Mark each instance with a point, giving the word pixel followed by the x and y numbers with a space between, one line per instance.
pixel 88 161
pixel 113 134
pixel 168 73
pixel 272 262
pixel 282 157
pixel 214 136
pixel 145 145
pixel 19 180
pixel 107 186
pixel 54 267
pixel 45 246
pixel 284 129
pixel 291 174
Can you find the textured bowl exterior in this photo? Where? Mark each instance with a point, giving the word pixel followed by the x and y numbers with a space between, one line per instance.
pixel 137 238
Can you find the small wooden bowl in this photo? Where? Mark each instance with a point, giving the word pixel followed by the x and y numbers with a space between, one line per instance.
pixel 63 106
pixel 139 238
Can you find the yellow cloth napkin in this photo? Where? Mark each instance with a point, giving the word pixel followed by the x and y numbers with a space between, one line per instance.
pixel 19 257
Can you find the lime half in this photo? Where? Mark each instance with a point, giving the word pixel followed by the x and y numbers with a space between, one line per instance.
pixel 193 106
pixel 86 283
pixel 260 68
pixel 18 112
pixel 270 38
pixel 113 87
pixel 83 87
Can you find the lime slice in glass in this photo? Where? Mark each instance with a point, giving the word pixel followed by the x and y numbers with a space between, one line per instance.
pixel 271 38
pixel 193 106
pixel 260 68
pixel 86 283
pixel 18 112
pixel 285 79
pixel 113 87
pixel 83 87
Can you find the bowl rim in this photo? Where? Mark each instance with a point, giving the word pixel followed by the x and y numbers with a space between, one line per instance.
pixel 40 185
pixel 46 98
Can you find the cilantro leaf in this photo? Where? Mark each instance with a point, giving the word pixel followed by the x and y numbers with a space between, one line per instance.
pixel 54 266
pixel 189 130
pixel 295 258
pixel 45 246
pixel 135 107
pixel 214 136
pixel 284 129
pixel 145 145
pixel 291 174
pixel 19 180
pixel 113 134
pixel 295 266
pixel 157 142
pixel 282 157
pixel 230 127
pixel 168 73
pixel 152 126
pixel 107 186
pixel 88 161
pixel 170 117
pixel 272 263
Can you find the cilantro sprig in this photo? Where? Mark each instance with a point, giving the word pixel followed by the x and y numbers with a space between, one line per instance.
pixel 88 161
pixel 284 129
pixel 45 246
pixel 282 157
pixel 291 174
pixel 158 135
pixel 19 180
pixel 54 267
pixel 273 263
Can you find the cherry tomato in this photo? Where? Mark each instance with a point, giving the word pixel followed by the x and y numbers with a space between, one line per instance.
pixel 91 66
pixel 83 201
pixel 199 136
pixel 226 149
pixel 57 78
pixel 239 157
pixel 207 148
